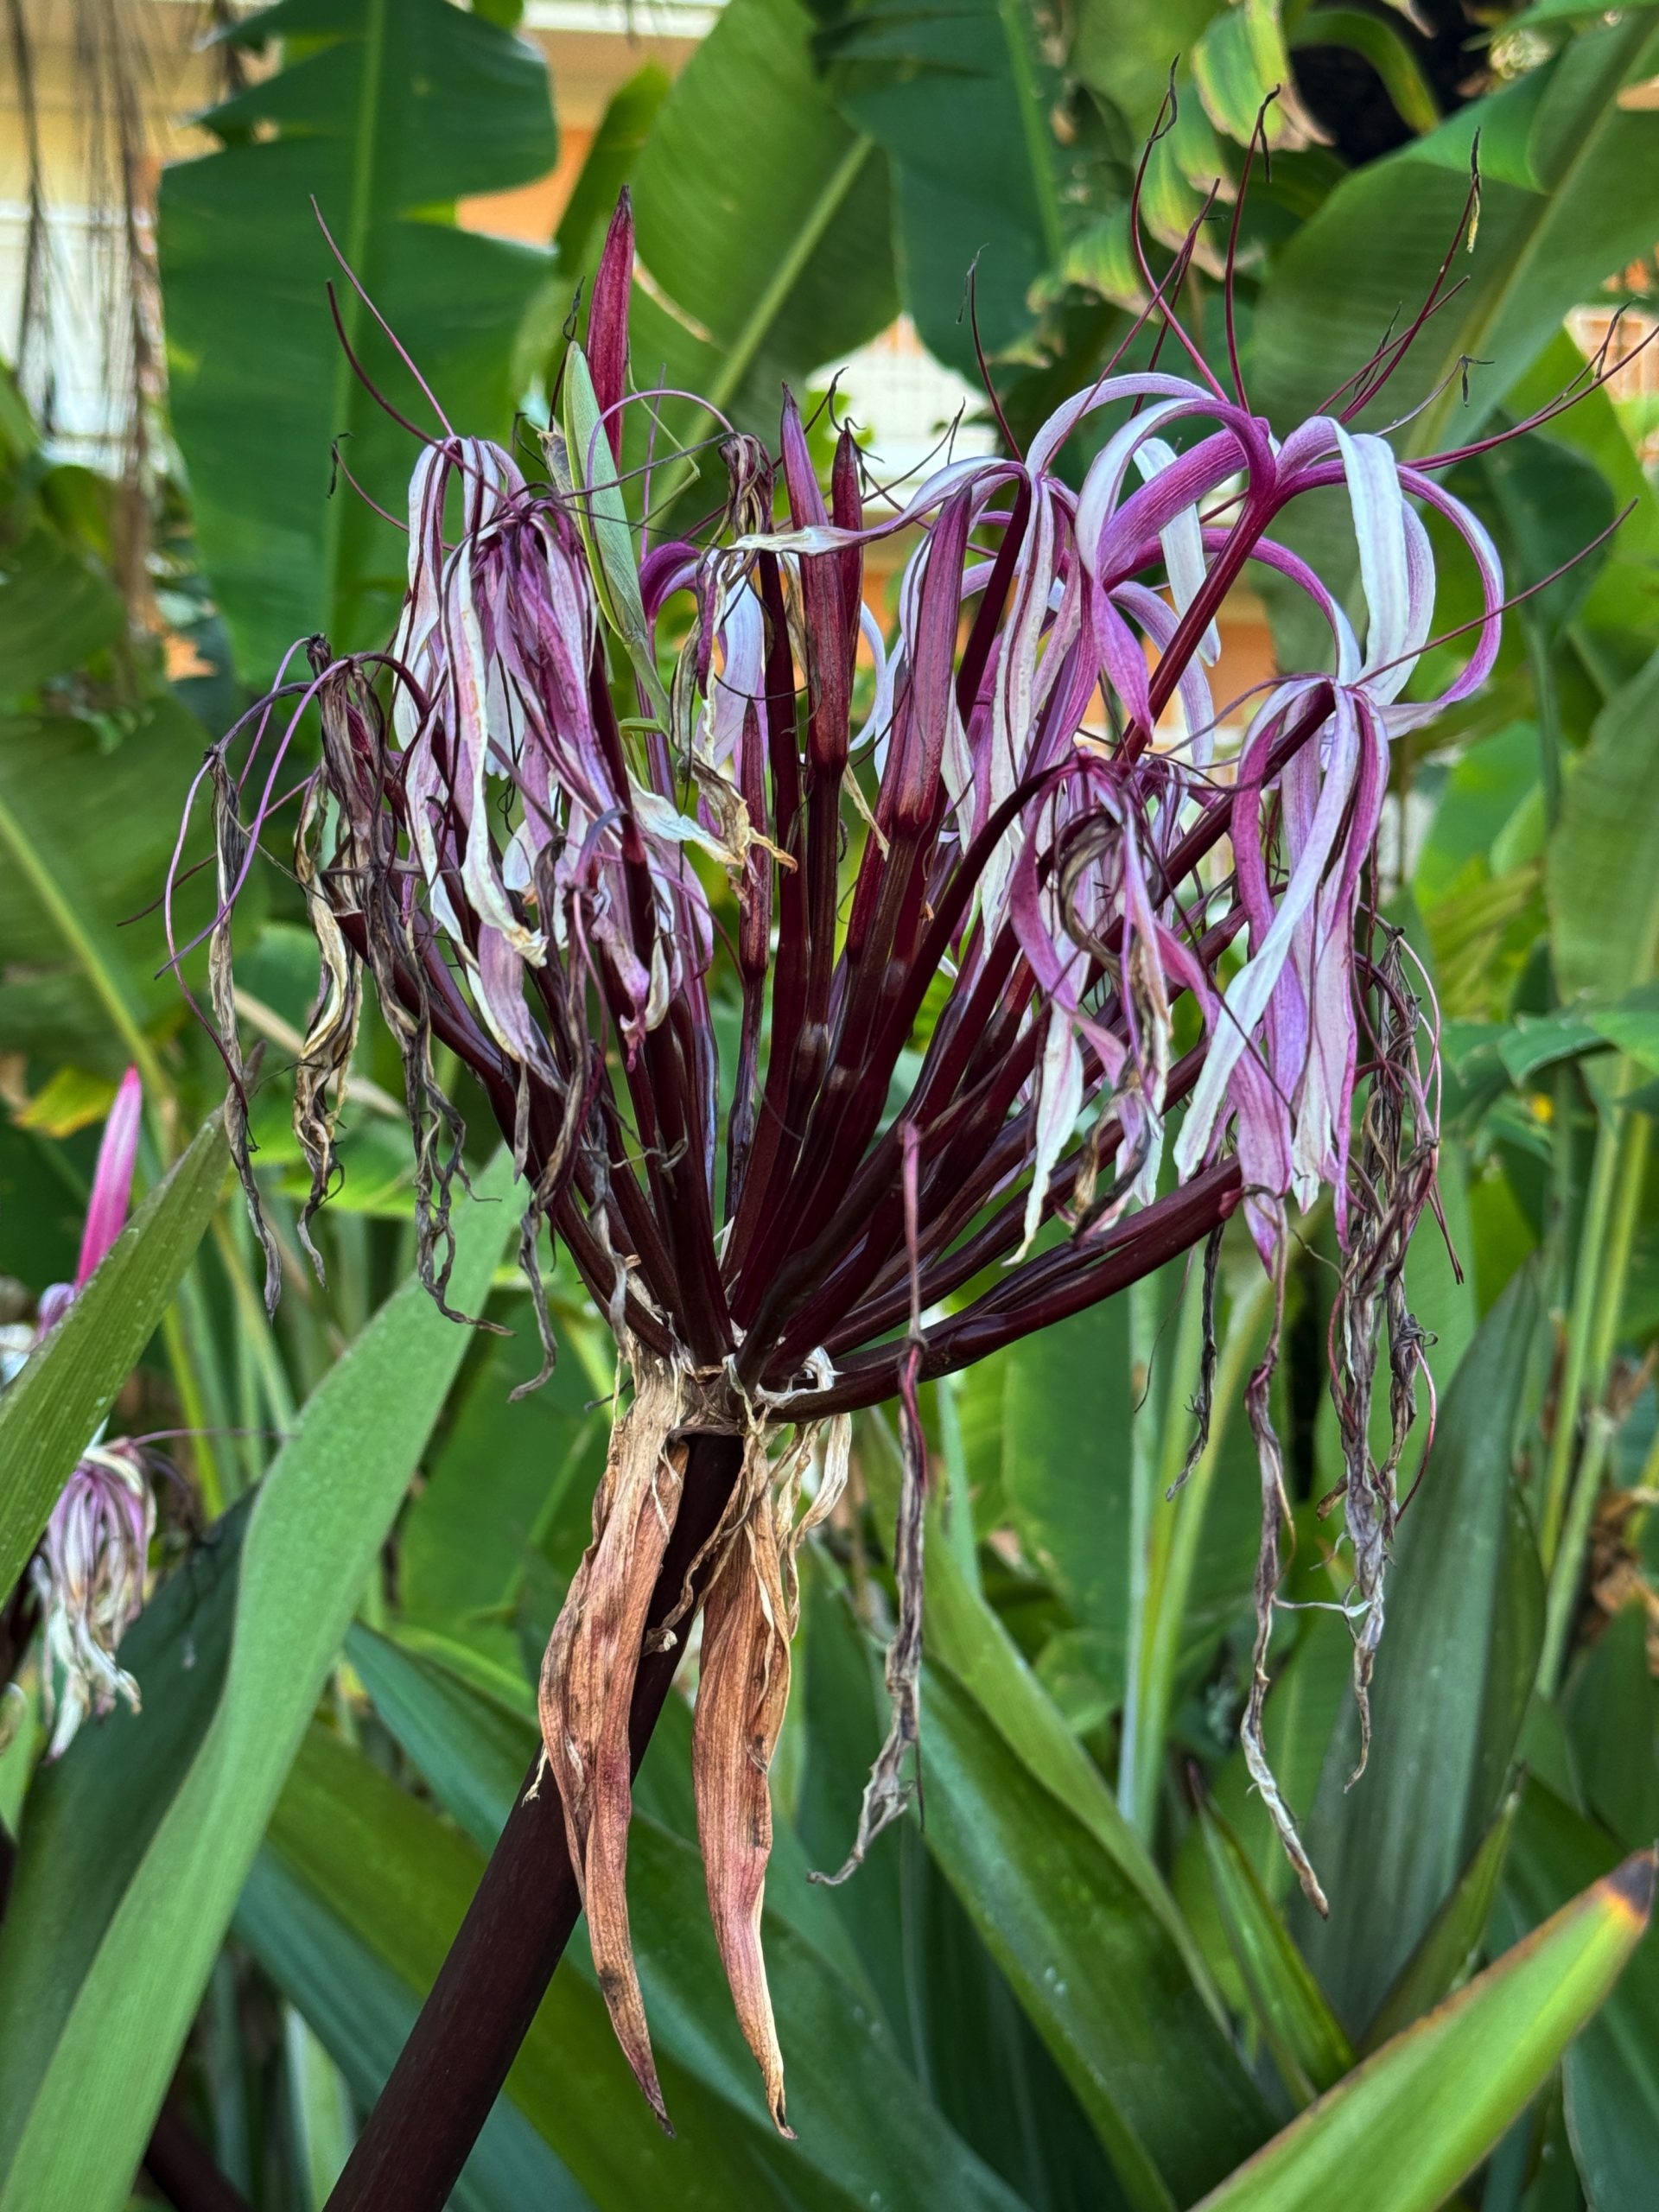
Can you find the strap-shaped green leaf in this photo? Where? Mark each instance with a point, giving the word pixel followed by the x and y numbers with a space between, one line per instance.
pixel 1304 2035
pixel 1416 2118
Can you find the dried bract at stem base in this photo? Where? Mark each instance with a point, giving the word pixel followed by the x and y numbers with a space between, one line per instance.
pixel 587 1687
pixel 742 1695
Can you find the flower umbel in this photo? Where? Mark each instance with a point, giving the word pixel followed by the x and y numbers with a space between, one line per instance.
pixel 1009 932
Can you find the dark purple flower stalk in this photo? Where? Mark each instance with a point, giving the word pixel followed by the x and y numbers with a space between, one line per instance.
pixel 555 837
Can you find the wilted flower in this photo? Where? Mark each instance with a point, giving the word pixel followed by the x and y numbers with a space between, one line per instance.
pixel 533 806
pixel 89 1572
pixel 89 1576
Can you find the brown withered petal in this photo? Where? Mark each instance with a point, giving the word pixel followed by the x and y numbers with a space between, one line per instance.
pixel 742 1693
pixel 587 1688
pixel 331 1030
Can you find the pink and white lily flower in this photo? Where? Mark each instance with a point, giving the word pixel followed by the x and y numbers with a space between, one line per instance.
pixel 90 1571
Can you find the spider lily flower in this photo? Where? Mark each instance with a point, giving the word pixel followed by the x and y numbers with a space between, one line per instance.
pixel 597 788
pixel 112 1195
pixel 89 1572
pixel 89 1577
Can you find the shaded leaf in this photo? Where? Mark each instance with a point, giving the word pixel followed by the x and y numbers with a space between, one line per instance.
pixel 58 609
pixel 1568 175
pixel 1454 1679
pixel 1452 1939
pixel 763 252
pixel 1287 2005
pixel 958 95
pixel 1603 858
pixel 362 2012
pixel 1096 1973
pixel 386 114
pixel 1612 1710
pixel 1068 1407
pixel 395 1876
pixel 624 130
pixel 86 828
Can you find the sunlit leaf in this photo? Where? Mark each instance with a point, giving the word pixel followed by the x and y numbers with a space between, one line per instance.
pixel 1420 2113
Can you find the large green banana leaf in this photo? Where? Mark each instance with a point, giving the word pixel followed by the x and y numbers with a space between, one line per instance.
pixel 385 113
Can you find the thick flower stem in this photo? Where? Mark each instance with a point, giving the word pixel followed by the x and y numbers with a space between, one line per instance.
pixel 439 2094
pixel 182 2168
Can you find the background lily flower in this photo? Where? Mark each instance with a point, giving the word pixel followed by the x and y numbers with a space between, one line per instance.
pixel 89 1577
pixel 89 1572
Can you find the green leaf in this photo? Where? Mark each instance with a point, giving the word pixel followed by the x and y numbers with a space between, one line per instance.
pixel 387 1871
pixel 1454 1679
pixel 1238 63
pixel 86 829
pixel 1093 1969
pixel 1612 1710
pixel 1536 1041
pixel 387 113
pixel 1068 1413
pixel 1615 628
pixel 103 2048
pixel 764 243
pixel 958 95
pixel 1611 2072
pixel 1568 178
pixel 1422 2114
pixel 1547 503
pixel 58 611
pixel 1603 879
pixel 1308 2043
pixel 476 1756
pixel 1122 49
pixel 91 1817
pixel 54 1409
pixel 1310 1684
pixel 965 1636
pixel 1633 1026
pixel 1455 1936
pixel 1545 12
pixel 601 515
pixel 465 1574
